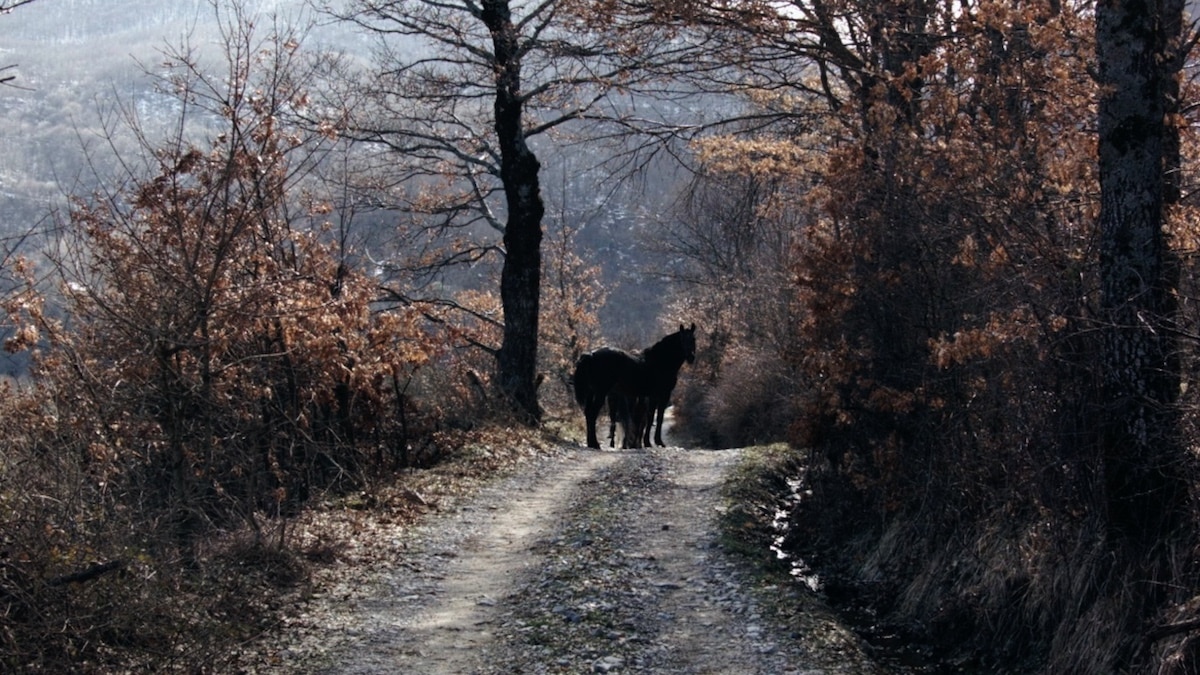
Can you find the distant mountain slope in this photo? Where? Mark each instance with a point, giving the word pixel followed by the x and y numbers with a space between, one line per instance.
pixel 73 60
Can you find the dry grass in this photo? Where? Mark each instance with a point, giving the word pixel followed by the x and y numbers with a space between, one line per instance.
pixel 159 610
pixel 1008 590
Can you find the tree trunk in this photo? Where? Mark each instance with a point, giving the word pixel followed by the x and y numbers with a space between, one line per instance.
pixel 1141 374
pixel 520 279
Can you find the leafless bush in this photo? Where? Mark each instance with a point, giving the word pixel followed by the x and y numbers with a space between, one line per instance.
pixel 746 401
pixel 84 583
pixel 215 363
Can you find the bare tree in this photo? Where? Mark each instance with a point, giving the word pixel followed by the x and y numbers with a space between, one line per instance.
pixel 5 7
pixel 459 97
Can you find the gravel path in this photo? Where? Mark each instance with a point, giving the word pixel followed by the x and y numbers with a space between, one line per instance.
pixel 589 562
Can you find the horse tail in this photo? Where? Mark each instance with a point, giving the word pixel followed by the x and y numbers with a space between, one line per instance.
pixel 582 378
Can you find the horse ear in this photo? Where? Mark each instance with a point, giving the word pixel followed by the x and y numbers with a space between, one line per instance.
pixel 681 328
pixel 693 326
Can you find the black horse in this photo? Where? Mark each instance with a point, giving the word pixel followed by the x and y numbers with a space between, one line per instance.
pixel 650 376
pixel 600 375
pixel 663 361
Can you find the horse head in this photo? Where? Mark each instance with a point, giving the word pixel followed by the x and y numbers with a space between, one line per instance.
pixel 687 342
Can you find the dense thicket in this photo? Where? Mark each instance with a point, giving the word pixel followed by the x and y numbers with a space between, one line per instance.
pixel 899 244
pixel 946 313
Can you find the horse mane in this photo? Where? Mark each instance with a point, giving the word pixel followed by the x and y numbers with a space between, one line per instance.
pixel 665 348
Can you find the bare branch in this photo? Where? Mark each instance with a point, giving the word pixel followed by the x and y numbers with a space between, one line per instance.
pixel 9 5
pixel 87 574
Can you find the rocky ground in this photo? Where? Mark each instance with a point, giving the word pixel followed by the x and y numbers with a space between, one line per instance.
pixel 582 561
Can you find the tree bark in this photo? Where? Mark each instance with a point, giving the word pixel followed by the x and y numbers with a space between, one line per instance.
pixel 1141 375
pixel 520 278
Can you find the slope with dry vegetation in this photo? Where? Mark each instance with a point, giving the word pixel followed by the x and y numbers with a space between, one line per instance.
pixel 904 246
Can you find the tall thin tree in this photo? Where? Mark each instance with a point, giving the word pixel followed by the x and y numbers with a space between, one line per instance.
pixel 1140 373
pixel 520 278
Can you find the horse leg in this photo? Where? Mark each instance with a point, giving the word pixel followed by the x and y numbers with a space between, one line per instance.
pixel 648 405
pixel 626 404
pixel 633 433
pixel 661 410
pixel 591 411
pixel 615 406
pixel 640 420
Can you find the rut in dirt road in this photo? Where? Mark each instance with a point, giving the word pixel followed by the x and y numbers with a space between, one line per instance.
pixel 593 561
pixel 443 599
pixel 487 569
pixel 634 580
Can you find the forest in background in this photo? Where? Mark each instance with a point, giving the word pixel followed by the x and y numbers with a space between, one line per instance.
pixel 937 247
pixel 80 65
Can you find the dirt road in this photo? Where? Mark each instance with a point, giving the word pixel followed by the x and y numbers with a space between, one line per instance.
pixel 591 562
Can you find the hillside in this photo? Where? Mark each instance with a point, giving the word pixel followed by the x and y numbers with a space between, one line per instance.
pixel 82 67
pixel 74 61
